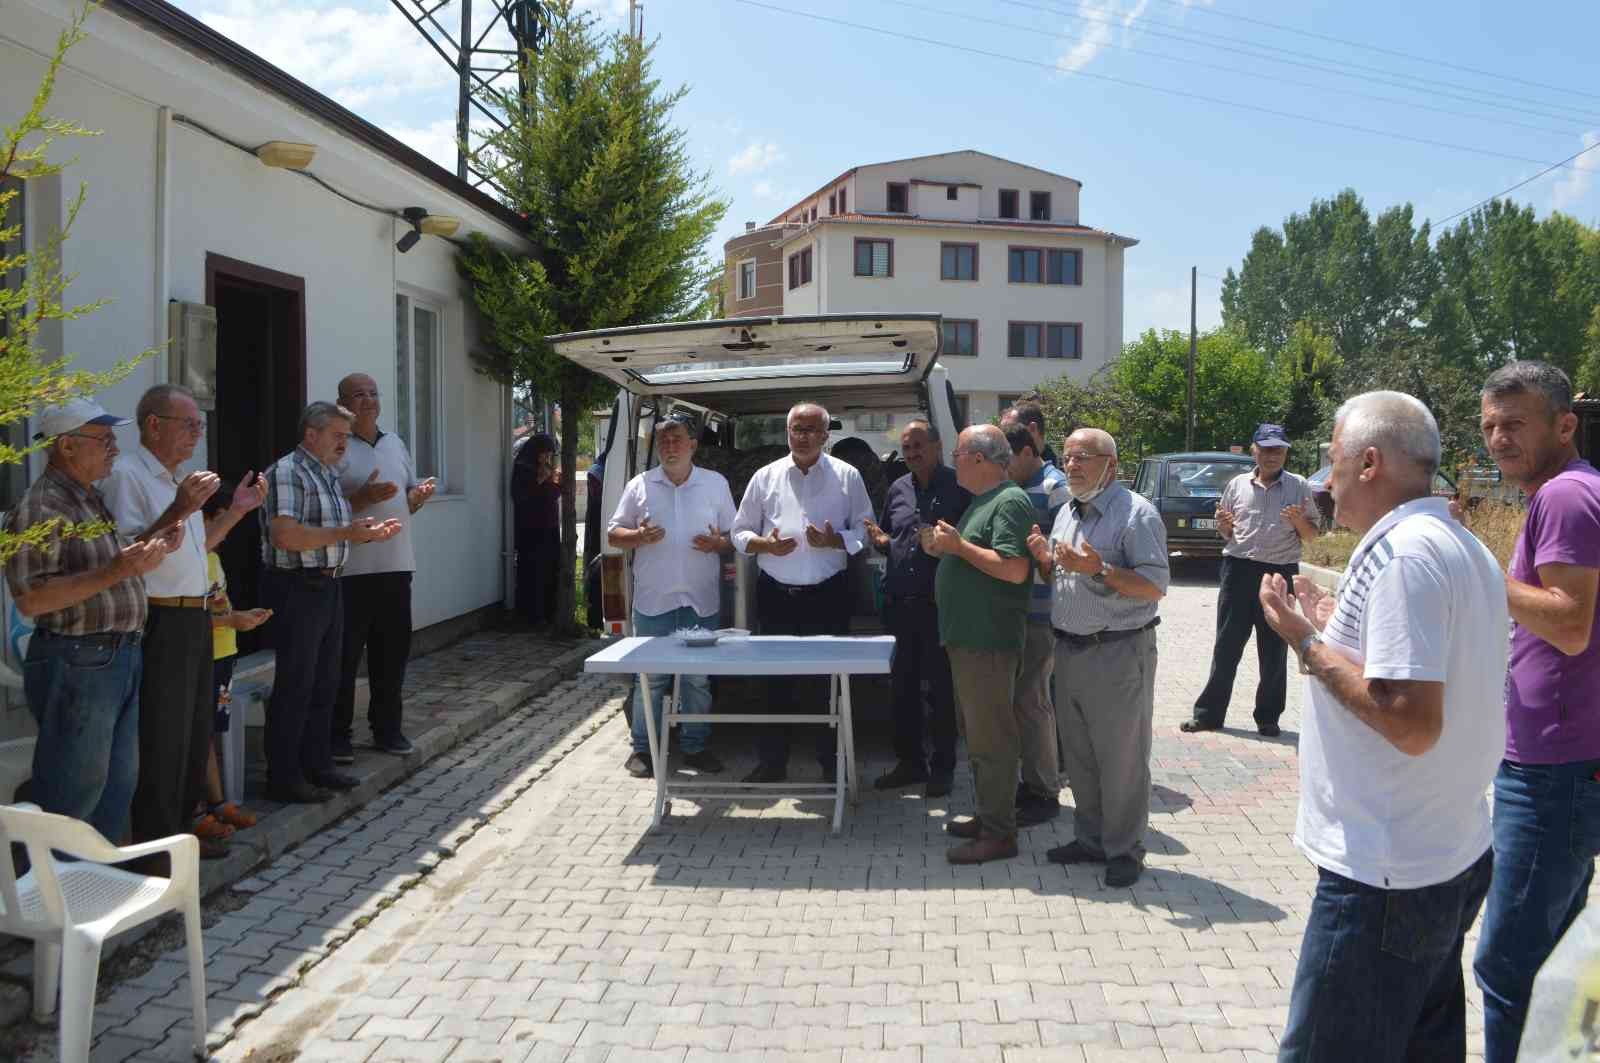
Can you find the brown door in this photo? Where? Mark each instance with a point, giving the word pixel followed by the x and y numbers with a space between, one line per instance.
pixel 261 389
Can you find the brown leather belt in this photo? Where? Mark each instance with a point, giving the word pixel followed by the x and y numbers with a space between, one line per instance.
pixel 181 603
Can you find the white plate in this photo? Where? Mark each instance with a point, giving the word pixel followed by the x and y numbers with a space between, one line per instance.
pixel 700 641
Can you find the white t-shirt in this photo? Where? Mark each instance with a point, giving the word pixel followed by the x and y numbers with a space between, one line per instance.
pixel 393 462
pixel 671 574
pixel 1422 599
pixel 137 492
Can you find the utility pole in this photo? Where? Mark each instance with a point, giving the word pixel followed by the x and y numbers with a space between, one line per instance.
pixel 636 19
pixel 1188 432
pixel 464 99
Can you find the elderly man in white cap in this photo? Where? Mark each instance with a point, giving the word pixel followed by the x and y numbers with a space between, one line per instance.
pixel 86 597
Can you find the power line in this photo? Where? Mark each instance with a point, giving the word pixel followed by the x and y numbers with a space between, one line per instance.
pixel 1019 60
pixel 1198 37
pixel 1058 35
pixel 1526 181
pixel 1377 48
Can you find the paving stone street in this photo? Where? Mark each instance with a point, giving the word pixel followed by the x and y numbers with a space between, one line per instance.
pixel 510 902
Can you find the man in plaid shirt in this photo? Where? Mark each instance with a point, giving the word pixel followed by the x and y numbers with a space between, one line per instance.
pixel 85 595
pixel 306 535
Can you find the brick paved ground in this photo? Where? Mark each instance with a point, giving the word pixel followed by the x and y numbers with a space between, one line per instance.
pixel 514 905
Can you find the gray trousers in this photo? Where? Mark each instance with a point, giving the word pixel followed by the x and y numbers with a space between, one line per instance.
pixel 1105 701
pixel 985 681
pixel 1035 715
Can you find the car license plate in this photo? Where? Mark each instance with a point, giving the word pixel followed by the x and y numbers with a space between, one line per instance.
pixel 1205 523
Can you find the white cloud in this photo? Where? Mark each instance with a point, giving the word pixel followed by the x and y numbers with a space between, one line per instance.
pixel 1575 183
pixel 1099 20
pixel 758 157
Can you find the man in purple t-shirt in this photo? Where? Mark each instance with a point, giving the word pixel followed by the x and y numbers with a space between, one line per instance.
pixel 1546 795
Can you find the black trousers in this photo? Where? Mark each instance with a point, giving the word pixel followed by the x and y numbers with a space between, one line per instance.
pixel 538 565
pixel 307 629
pixel 377 621
pixel 815 609
pixel 176 708
pixel 914 623
pixel 1238 614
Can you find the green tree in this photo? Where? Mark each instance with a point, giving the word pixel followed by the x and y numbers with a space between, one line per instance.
pixel 33 290
pixel 617 221
pixel 1588 376
pixel 1307 369
pixel 1235 389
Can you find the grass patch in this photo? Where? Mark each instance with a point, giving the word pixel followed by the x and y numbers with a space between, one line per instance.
pixel 1497 525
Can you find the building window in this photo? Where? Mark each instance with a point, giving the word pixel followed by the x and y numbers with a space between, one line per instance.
pixel 960 337
pixel 899 198
pixel 747 279
pixel 874 258
pixel 964 408
pixel 1008 401
pixel 874 422
pixel 958 262
pixel 813 213
pixel 951 192
pixel 417 383
pixel 1038 265
pixel 833 204
pixel 1008 203
pixel 1039 339
pixel 799 269
pixel 1039 206
pixel 843 209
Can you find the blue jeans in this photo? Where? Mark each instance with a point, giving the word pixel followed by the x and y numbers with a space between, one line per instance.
pixel 1379 978
pixel 1546 836
pixel 695 689
pixel 83 692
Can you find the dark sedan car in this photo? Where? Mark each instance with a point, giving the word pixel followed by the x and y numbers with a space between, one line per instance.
pixel 1184 489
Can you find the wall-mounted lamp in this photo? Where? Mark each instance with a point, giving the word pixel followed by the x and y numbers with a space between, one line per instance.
pixel 440 225
pixel 414 215
pixel 286 155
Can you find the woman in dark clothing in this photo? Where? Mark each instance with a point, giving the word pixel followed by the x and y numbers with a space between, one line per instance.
pixel 536 500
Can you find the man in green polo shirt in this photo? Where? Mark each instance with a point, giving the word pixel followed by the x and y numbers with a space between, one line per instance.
pixel 982 590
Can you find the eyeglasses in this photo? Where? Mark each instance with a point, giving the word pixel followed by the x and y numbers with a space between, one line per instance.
pixel 194 425
pixel 108 440
pixel 960 452
pixel 1080 456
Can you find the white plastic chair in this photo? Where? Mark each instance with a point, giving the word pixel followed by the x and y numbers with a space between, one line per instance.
pixel 68 908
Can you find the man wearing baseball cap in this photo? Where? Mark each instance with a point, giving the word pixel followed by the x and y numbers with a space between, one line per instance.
pixel 86 597
pixel 1263 515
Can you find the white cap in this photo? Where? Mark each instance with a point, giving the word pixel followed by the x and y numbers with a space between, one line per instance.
pixel 55 421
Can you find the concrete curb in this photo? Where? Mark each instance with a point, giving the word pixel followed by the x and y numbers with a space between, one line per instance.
pixel 1326 578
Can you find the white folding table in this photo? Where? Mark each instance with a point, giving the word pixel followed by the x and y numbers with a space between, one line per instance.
pixel 762 655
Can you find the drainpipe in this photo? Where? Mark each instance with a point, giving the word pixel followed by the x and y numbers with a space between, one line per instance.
pixel 163 249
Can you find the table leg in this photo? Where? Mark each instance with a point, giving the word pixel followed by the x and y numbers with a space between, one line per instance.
pixel 848 728
pixel 655 747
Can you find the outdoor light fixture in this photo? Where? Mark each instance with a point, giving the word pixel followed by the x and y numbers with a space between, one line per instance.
pixel 414 215
pixel 286 155
pixel 440 225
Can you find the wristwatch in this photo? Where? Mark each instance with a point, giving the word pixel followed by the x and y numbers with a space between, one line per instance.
pixel 1300 651
pixel 1105 570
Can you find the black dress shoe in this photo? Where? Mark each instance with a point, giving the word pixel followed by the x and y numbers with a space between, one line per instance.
pixel 298 793
pixel 904 773
pixel 342 752
pixel 964 828
pixel 333 780
pixel 1037 810
pixel 397 744
pixel 767 773
pixel 705 762
pixel 639 766
pixel 1192 726
pixel 1123 871
pixel 939 784
pixel 1268 730
pixel 1074 852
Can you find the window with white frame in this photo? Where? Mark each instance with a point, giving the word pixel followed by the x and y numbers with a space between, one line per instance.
pixel 874 422
pixel 419 377
pixel 747 279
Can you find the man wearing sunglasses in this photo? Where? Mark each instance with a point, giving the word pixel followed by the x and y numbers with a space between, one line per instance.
pixel 177 702
pixel 86 598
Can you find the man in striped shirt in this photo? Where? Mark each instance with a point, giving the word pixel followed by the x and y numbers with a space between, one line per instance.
pixel 1038 794
pixel 307 532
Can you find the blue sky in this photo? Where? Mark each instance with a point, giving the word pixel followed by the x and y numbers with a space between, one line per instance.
pixel 780 103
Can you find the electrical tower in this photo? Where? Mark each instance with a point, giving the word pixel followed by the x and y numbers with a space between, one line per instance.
pixel 483 41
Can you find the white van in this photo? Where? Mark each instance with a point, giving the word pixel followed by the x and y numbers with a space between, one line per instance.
pixel 739 378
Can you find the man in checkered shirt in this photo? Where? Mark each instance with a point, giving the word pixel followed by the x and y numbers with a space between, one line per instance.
pixel 306 535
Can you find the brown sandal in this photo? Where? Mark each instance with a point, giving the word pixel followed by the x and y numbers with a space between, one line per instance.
pixel 234 815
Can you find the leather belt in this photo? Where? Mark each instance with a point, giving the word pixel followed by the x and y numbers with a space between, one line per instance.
pixel 908 599
pixel 181 603
pixel 1102 636
pixel 94 638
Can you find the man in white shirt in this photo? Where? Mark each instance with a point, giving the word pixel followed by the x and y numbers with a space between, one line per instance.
pixel 802 517
pixel 675 518
pixel 375 583
pixel 1397 750
pixel 176 699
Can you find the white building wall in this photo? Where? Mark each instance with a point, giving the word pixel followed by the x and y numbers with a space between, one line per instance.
pixel 992 173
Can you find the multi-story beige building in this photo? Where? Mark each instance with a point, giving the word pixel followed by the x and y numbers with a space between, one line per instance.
pixel 1028 292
